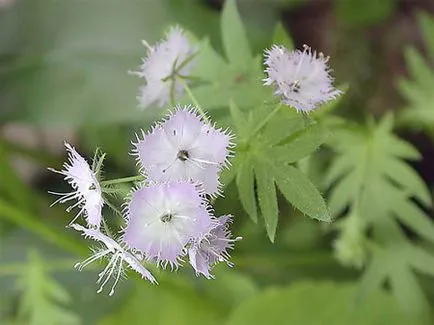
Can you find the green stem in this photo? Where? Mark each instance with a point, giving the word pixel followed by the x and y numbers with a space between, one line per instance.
pixel 37 226
pixel 193 99
pixel 123 180
pixel 266 120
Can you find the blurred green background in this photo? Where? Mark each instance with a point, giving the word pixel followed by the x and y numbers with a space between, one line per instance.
pixel 63 76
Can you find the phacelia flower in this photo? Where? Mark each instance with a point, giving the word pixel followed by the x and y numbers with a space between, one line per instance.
pixel 184 148
pixel 213 247
pixel 165 62
pixel 87 190
pixel 118 257
pixel 301 78
pixel 163 218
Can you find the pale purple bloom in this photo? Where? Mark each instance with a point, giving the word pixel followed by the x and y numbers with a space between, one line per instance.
pixel 301 78
pixel 115 266
pixel 163 218
pixel 185 148
pixel 213 247
pixel 165 62
pixel 87 190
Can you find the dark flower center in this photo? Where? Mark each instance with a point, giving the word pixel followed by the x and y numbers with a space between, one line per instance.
pixel 183 155
pixel 166 218
pixel 295 86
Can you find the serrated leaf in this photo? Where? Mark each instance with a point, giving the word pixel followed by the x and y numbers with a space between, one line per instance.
pixel 267 198
pixel 413 217
pixel 300 144
pixel 409 180
pixel 409 294
pixel 372 179
pixel 421 259
pixel 300 192
pixel 246 182
pixel 239 120
pixel 284 125
pixel 42 297
pixel 418 91
pixel 234 37
pixel 280 36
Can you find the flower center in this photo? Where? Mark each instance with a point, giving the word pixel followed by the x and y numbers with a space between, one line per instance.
pixel 295 86
pixel 183 155
pixel 166 218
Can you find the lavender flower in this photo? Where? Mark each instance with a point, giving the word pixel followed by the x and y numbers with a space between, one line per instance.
pixel 301 78
pixel 184 148
pixel 213 247
pixel 87 190
pixel 168 60
pixel 115 266
pixel 163 218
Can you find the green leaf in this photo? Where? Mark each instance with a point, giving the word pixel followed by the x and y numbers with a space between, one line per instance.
pixel 301 144
pixel 421 259
pixel 42 297
pixel 169 303
pixel 370 178
pixel 409 294
pixel 418 91
pixel 301 193
pixel 245 183
pixel 363 12
pixel 426 23
pixel 234 37
pixel 317 303
pixel 267 198
pixel 281 37
pixel 412 216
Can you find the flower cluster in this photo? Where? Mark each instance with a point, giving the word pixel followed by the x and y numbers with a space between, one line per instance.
pixel 167 216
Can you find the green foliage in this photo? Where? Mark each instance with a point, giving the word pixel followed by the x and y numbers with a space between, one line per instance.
pixel 419 89
pixel 363 12
pixel 270 138
pixel 281 37
pixel 236 77
pixel 371 180
pixel 316 303
pixel 43 298
pixel 176 301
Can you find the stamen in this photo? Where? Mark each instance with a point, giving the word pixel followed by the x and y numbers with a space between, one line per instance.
pixel 183 155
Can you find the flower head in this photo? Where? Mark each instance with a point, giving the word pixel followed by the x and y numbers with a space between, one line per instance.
pixel 213 247
pixel 301 78
pixel 165 62
pixel 163 218
pixel 184 148
pixel 87 191
pixel 118 256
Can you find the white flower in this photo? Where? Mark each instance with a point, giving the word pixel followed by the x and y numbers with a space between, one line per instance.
pixel 163 218
pixel 184 148
pixel 165 62
pixel 115 266
pixel 213 247
pixel 87 190
pixel 301 78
